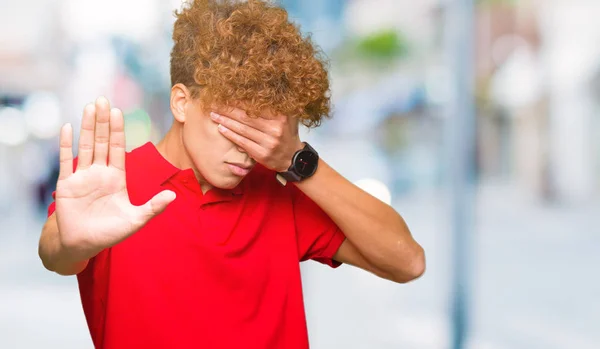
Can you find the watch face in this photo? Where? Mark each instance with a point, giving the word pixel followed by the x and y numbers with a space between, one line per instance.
pixel 306 163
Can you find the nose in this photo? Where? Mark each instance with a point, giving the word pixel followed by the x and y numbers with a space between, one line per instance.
pixel 241 150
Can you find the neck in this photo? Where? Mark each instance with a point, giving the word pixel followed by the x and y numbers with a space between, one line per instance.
pixel 171 147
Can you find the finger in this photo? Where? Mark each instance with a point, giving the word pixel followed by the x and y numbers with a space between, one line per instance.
pixel 243 130
pixel 116 153
pixel 241 116
pixel 154 206
pixel 86 137
pixel 101 136
pixel 254 150
pixel 66 152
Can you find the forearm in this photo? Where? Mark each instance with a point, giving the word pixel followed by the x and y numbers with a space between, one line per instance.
pixel 382 241
pixel 55 257
pixel 376 230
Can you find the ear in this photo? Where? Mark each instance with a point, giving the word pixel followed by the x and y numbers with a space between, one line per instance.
pixel 180 97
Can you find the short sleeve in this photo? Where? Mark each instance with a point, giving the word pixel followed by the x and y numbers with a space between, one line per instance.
pixel 52 206
pixel 317 235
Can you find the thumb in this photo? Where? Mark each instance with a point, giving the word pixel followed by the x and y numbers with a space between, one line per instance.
pixel 156 205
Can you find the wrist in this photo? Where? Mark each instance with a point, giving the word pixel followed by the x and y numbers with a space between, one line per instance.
pixel 77 251
pixel 64 261
pixel 289 157
pixel 303 165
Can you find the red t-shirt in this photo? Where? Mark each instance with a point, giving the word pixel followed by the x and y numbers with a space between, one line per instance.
pixel 219 270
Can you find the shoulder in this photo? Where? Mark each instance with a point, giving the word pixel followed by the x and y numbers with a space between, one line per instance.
pixel 147 162
pixel 135 162
pixel 144 172
pixel 137 155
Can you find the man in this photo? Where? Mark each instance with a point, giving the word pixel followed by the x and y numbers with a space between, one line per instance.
pixel 196 242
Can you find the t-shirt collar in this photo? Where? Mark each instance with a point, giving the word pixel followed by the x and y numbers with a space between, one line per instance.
pixel 159 170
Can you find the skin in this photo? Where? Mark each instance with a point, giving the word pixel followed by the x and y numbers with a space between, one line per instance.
pixel 93 211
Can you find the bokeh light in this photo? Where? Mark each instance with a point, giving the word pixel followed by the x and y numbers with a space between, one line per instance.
pixel 395 87
pixel 42 114
pixel 376 188
pixel 88 19
pixel 13 130
pixel 138 128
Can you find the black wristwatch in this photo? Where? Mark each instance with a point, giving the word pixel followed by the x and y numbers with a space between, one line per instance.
pixel 304 165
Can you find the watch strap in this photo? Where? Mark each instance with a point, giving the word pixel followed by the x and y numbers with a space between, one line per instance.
pixel 290 175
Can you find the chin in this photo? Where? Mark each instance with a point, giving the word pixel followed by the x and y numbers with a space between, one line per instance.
pixel 227 182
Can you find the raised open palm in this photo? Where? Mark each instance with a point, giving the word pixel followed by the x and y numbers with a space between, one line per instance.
pixel 93 210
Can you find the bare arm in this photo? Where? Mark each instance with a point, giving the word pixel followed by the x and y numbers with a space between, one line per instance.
pixel 53 255
pixel 378 239
pixel 93 211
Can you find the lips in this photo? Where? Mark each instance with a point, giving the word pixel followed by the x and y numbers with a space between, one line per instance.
pixel 240 169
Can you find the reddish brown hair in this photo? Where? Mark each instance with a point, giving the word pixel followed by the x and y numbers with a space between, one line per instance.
pixel 248 53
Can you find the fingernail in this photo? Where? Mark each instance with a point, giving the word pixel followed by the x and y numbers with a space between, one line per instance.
pixel 222 128
pixel 214 116
pixel 102 100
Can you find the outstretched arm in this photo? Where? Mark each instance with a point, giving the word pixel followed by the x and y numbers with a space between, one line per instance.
pixel 93 211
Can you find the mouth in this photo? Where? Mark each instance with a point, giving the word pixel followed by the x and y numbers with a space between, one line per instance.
pixel 240 169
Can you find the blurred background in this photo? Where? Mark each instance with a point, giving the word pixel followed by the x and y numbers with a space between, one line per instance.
pixel 498 179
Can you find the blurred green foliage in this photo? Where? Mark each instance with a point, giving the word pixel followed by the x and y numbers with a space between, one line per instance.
pixel 385 44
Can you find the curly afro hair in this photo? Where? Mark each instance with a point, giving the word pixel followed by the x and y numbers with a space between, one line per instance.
pixel 248 53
